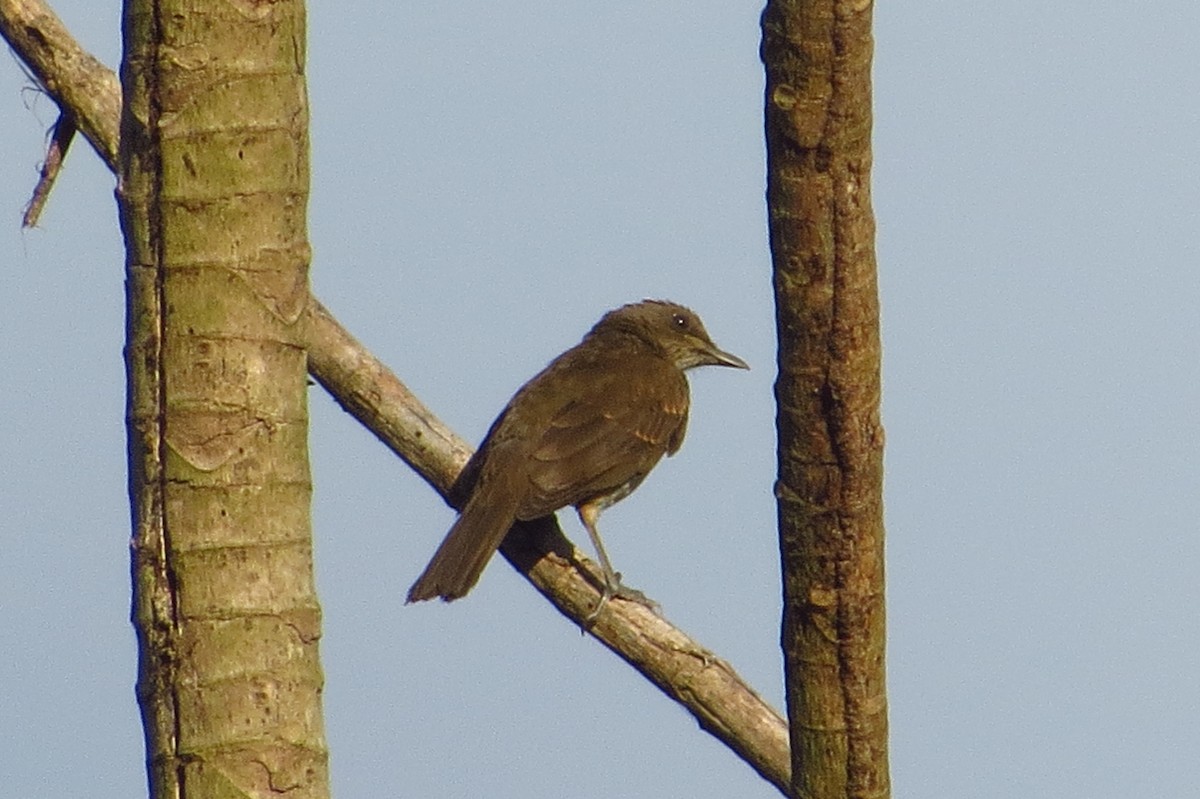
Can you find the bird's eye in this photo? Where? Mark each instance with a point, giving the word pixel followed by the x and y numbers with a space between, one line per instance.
pixel 680 321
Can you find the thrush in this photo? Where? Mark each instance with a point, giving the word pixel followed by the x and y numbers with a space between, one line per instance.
pixel 585 431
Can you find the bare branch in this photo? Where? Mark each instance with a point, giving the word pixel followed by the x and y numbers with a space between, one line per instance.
pixel 706 686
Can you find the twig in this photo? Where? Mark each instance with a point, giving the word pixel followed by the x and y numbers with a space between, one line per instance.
pixel 60 141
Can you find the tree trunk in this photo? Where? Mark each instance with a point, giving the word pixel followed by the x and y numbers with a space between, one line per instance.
pixel 213 190
pixel 818 124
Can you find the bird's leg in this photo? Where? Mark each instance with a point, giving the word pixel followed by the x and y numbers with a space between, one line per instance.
pixel 589 514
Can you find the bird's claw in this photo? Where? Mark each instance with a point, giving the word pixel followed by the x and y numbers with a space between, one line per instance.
pixel 620 591
pixel 634 595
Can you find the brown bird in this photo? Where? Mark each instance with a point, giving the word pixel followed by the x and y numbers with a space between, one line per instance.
pixel 585 431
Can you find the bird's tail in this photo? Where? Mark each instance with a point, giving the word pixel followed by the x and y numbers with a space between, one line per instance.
pixel 467 548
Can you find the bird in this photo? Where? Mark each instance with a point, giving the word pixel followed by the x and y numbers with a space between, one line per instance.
pixel 583 432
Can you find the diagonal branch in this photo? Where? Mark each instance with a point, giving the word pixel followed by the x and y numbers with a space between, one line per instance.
pixel 706 686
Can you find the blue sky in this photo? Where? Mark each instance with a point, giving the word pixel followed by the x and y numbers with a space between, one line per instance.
pixel 487 180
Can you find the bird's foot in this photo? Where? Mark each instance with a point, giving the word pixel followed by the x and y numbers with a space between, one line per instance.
pixel 618 590
pixel 634 595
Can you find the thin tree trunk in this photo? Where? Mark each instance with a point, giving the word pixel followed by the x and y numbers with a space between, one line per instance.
pixel 817 55
pixel 214 184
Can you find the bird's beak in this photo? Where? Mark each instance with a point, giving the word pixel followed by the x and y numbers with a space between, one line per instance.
pixel 719 357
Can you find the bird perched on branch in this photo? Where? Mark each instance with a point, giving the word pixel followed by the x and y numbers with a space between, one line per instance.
pixel 585 431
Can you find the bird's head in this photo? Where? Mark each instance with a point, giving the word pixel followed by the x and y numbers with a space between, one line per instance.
pixel 674 330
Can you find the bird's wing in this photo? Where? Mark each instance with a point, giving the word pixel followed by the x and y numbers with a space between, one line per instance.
pixel 606 435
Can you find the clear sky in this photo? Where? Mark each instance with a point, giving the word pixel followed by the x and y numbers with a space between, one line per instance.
pixel 487 180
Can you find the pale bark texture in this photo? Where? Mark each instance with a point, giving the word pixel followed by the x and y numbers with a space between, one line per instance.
pixel 213 188
pixel 817 55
